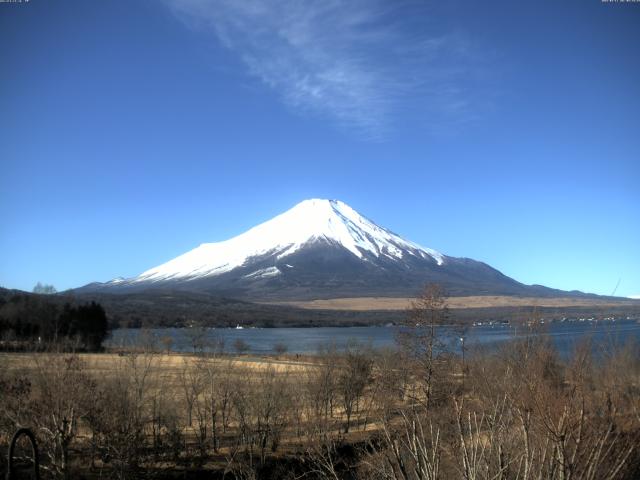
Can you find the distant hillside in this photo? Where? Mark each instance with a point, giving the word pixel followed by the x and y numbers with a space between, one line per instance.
pixel 30 321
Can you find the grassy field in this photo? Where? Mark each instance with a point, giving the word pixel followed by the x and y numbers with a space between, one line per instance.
pixel 168 364
pixel 394 304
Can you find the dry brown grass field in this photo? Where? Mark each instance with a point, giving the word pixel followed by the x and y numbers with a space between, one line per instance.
pixel 163 371
pixel 388 303
pixel 165 364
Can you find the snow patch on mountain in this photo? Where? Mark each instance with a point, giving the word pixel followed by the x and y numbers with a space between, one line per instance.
pixel 264 272
pixel 308 222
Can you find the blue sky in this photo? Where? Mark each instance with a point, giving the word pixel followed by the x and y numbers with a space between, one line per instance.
pixel 133 130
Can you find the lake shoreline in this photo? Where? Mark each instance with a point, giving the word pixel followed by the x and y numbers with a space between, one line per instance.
pixel 305 340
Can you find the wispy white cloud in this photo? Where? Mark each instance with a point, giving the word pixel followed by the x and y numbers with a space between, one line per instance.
pixel 357 62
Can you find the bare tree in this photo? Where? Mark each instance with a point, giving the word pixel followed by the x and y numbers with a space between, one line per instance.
pixel 191 386
pixel 215 391
pixel 122 412
pixel 197 338
pixel 44 289
pixel 167 341
pixel 321 385
pixel 391 378
pixel 63 396
pixel 240 346
pixel 353 377
pixel 280 348
pixel 271 404
pixel 408 449
pixel 420 338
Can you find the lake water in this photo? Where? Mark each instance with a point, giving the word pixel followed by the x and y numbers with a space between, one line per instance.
pixel 565 335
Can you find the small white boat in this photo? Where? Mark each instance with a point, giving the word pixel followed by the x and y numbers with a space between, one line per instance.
pixel 239 327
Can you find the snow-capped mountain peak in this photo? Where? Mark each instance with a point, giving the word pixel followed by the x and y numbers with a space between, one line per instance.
pixel 309 222
pixel 318 249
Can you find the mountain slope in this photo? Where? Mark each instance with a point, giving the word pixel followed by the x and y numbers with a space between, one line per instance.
pixel 309 222
pixel 320 249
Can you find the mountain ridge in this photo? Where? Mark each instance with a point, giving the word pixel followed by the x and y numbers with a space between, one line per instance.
pixel 321 249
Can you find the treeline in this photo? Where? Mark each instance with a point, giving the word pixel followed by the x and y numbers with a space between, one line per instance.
pixel 184 309
pixel 158 309
pixel 155 309
pixel 30 321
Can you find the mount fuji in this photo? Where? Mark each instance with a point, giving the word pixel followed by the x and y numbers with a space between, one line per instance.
pixel 319 249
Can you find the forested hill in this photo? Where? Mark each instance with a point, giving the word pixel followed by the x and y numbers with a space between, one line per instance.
pixel 28 320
